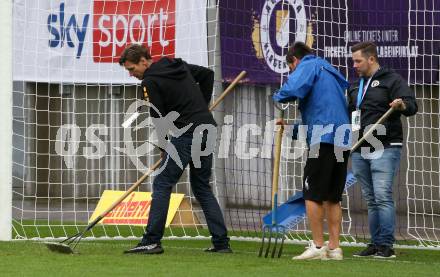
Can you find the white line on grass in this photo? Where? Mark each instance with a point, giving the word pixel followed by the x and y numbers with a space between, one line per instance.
pixel 395 260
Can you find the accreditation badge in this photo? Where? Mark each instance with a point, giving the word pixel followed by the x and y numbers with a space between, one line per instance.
pixel 356 120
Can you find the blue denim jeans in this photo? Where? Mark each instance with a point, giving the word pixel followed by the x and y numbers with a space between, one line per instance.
pixel 199 179
pixel 375 174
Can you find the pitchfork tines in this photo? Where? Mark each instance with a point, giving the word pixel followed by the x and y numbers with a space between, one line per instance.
pixel 277 232
pixel 275 229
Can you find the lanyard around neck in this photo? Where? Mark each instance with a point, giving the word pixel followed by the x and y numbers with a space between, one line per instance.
pixel 361 94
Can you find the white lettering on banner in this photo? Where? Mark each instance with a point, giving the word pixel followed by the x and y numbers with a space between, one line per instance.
pixel 371 35
pixel 129 34
pixel 137 18
pixel 106 32
pixel 121 23
pixel 381 38
pixel 384 51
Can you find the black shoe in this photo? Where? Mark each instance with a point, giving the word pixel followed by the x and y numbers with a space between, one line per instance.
pixel 153 248
pixel 370 251
pixel 385 252
pixel 225 250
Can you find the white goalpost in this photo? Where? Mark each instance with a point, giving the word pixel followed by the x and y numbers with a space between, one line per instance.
pixel 6 126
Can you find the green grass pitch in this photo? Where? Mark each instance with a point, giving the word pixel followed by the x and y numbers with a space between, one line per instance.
pixel 186 258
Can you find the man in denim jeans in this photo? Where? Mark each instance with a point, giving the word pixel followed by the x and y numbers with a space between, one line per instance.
pixel 182 90
pixel 375 162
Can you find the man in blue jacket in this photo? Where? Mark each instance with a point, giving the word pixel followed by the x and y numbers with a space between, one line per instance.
pixel 319 87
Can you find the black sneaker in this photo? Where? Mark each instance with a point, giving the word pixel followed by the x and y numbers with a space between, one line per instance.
pixel 153 248
pixel 385 252
pixel 370 251
pixel 225 250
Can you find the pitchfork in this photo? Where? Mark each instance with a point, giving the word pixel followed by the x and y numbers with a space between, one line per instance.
pixel 274 229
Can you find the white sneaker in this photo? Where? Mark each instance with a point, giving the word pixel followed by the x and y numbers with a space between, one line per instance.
pixel 335 254
pixel 312 253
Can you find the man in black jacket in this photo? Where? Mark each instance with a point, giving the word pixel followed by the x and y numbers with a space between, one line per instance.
pixel 376 161
pixel 173 86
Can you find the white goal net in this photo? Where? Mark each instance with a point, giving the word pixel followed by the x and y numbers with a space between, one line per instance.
pixel 70 97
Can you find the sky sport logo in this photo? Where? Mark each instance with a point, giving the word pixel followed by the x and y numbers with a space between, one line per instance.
pixel 115 25
pixel 119 23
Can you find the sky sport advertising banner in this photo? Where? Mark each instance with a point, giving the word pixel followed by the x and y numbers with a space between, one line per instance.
pixel 81 41
pixel 255 35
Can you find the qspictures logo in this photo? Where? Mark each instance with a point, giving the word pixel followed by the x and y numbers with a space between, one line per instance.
pixel 276 27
